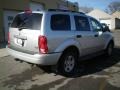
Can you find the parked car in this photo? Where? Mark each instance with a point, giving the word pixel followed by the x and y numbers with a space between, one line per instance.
pixel 57 37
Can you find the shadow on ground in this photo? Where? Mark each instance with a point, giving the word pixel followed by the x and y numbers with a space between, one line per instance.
pixel 94 65
pixel 98 64
pixel 91 66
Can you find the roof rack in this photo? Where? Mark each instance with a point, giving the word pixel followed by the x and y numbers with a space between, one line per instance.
pixel 65 11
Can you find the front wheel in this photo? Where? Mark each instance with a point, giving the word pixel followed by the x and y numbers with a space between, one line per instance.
pixel 109 49
pixel 68 63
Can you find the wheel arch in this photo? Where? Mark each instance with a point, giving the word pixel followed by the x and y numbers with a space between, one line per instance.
pixel 110 41
pixel 69 44
pixel 70 48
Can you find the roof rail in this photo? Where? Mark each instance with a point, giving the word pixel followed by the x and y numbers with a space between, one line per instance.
pixel 58 10
pixel 65 11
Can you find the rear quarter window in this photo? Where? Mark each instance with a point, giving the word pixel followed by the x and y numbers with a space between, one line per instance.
pixel 60 22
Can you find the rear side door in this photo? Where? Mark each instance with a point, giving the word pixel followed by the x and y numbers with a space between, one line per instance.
pixel 24 32
pixel 59 33
pixel 84 35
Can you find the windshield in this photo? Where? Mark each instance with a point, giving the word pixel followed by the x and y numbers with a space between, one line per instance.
pixel 29 21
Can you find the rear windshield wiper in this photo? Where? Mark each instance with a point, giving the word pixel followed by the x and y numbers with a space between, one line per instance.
pixel 20 28
pixel 23 22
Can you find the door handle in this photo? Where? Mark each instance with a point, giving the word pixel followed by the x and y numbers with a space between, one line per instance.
pixel 96 35
pixel 79 36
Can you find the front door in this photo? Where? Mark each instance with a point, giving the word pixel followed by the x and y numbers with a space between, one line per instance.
pixel 98 35
pixel 84 35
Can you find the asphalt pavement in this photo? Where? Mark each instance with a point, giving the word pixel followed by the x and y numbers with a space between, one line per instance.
pixel 99 73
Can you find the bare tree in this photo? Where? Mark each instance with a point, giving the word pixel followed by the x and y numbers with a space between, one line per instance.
pixel 113 6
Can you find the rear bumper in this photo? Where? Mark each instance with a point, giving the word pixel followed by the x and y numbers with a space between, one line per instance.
pixel 42 59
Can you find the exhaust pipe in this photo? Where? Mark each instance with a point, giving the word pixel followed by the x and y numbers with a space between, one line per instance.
pixel 16 59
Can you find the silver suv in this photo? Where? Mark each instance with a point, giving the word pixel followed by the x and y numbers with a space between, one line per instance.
pixel 57 37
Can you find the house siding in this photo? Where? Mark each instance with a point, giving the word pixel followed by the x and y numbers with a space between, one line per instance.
pixel 101 15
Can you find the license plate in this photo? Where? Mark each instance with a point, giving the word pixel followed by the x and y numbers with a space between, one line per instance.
pixel 19 41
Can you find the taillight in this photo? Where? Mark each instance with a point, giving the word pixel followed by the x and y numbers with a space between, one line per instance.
pixel 42 43
pixel 8 39
pixel 28 11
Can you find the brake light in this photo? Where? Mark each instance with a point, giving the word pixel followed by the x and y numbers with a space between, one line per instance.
pixel 42 43
pixel 8 39
pixel 28 11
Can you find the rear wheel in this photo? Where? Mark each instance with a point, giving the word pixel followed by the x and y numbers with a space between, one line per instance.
pixel 68 63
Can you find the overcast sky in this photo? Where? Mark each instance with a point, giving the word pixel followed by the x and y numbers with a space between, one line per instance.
pixel 99 4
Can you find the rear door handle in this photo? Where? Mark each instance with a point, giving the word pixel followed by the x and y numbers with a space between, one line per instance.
pixel 96 35
pixel 79 36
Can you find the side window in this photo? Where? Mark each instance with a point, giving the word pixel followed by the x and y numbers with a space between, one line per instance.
pixel 60 22
pixel 96 25
pixel 81 23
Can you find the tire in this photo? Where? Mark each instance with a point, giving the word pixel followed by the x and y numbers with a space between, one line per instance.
pixel 109 49
pixel 68 63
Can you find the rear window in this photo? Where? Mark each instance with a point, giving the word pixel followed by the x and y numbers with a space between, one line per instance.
pixel 60 22
pixel 82 23
pixel 29 21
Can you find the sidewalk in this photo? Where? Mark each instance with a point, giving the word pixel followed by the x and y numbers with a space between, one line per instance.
pixel 3 51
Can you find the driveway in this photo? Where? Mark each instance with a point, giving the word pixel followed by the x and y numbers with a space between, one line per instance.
pixel 98 73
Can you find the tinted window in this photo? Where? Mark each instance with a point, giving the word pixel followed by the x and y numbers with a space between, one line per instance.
pixel 30 21
pixel 82 23
pixel 96 25
pixel 60 22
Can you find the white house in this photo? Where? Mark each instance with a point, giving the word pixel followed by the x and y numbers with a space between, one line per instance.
pixel 102 16
pixel 116 20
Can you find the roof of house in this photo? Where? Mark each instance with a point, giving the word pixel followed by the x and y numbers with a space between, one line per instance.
pixel 116 14
pixel 99 14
